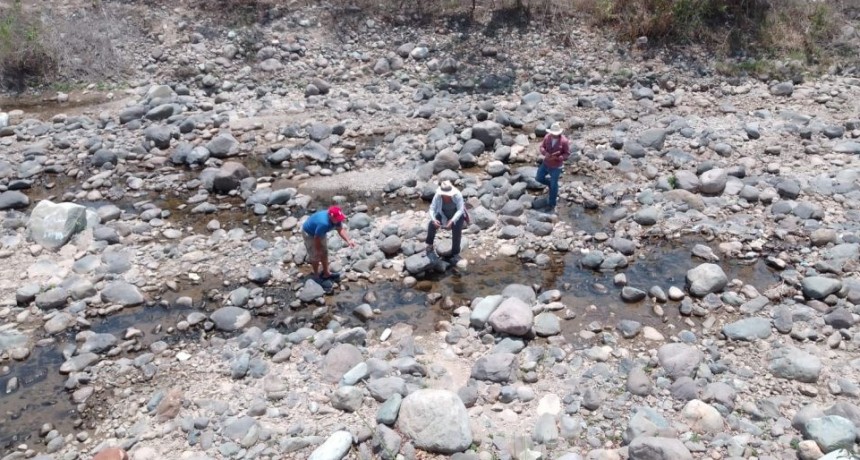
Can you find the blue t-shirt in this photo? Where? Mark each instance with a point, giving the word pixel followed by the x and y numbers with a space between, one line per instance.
pixel 318 224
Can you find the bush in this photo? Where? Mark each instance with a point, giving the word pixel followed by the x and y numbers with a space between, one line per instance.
pixel 24 58
pixel 59 46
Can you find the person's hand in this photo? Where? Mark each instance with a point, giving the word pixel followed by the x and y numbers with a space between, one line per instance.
pixel 437 223
pixel 449 225
pixel 351 244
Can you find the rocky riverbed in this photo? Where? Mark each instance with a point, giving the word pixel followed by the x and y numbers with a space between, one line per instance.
pixel 697 295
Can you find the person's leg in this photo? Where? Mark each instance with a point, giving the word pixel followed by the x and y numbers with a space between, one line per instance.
pixel 324 260
pixel 431 236
pixel 541 175
pixel 313 254
pixel 457 233
pixel 554 174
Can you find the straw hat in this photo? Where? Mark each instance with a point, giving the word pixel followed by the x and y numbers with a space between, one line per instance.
pixel 446 189
pixel 555 129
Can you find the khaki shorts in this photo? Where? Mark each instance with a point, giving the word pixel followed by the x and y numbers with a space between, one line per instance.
pixel 315 255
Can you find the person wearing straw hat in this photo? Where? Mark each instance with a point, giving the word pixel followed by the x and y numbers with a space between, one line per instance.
pixel 555 149
pixel 314 230
pixel 447 210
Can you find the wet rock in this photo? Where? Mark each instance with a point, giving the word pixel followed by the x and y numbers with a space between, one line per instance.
pixel 631 294
pixel 98 343
pixel 436 421
pixel 706 279
pixel 748 329
pixel 13 200
pixel 229 177
pixel 678 359
pixel 78 363
pixel 520 291
pixel 310 291
pixel 794 364
pixel 122 293
pixel 334 448
pixel 417 263
pixel 52 225
pixel 831 432
pixel 496 367
pixel 513 317
pixel 230 318
pixel 656 448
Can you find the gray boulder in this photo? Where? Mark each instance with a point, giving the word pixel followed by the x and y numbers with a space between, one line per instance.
pixel 705 279
pixel 13 199
pixel 794 364
pixel 436 421
pixel 679 359
pixel 819 287
pixel 656 448
pixel 229 177
pixel 513 316
pixel 831 432
pixel 482 311
pixel 713 181
pixel 338 361
pixel 52 225
pixel 748 329
pixel 496 367
pixel 222 146
pixel 230 318
pixel 487 132
pixel 122 293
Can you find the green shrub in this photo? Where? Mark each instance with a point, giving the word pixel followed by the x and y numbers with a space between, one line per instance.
pixel 23 55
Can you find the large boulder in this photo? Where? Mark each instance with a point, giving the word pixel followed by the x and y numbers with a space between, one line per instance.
pixel 487 132
pixel 706 279
pixel 229 177
pixel 513 317
pixel 819 287
pixel 831 432
pixel 52 225
pixel 436 421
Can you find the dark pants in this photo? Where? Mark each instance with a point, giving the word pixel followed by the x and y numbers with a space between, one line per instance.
pixel 457 230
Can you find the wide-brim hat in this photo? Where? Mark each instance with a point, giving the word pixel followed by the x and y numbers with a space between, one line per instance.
pixel 446 189
pixel 555 129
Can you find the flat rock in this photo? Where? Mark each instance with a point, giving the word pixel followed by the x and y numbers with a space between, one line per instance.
pixel 496 367
pixel 679 359
pixel 794 364
pixel 748 329
pixel 334 448
pixel 831 432
pixel 656 448
pixel 122 293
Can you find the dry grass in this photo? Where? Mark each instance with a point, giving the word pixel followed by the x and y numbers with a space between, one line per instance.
pixel 41 47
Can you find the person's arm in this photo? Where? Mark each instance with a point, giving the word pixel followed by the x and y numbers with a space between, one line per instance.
pixel 434 210
pixel 543 146
pixel 344 235
pixel 461 208
pixel 564 151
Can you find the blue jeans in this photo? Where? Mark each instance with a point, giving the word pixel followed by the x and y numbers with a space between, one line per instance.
pixel 552 182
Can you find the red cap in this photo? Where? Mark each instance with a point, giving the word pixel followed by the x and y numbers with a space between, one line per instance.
pixel 336 215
